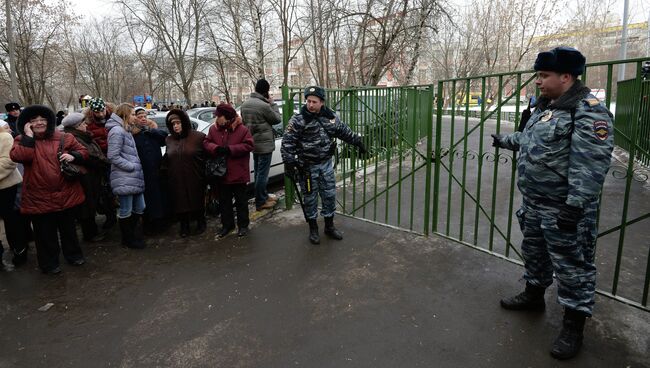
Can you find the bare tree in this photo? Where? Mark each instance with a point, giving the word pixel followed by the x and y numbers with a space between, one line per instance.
pixel 176 26
pixel 38 48
pixel 287 13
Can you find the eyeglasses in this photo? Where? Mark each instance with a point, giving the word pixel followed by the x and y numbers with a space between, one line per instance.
pixel 38 120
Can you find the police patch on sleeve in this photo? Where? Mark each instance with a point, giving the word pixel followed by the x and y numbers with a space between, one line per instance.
pixel 600 130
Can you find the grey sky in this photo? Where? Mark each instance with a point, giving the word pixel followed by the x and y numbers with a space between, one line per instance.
pixel 639 9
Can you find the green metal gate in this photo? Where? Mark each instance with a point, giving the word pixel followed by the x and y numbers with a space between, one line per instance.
pixel 396 127
pixel 445 178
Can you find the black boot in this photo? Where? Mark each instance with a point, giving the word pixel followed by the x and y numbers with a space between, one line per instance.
pixel 200 226
pixel 314 238
pixel 568 344
pixel 138 230
pixel 330 230
pixel 111 219
pixel 185 228
pixel 127 228
pixel 20 257
pixel 531 299
pixel 224 231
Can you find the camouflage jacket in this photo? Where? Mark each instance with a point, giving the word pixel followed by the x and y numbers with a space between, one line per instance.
pixel 309 138
pixel 565 149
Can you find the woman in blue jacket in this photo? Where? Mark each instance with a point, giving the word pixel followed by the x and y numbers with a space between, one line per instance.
pixel 127 178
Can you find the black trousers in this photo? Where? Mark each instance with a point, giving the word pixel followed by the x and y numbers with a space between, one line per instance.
pixel 48 228
pixel 226 194
pixel 15 223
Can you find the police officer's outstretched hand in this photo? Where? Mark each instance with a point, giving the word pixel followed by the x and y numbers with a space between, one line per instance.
pixel 497 139
pixel 569 217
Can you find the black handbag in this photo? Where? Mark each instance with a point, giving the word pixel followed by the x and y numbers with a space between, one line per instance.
pixel 215 168
pixel 69 170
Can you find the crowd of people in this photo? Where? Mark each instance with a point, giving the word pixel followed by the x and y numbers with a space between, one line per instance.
pixel 120 172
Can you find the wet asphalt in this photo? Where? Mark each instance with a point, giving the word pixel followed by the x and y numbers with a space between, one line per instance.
pixel 379 298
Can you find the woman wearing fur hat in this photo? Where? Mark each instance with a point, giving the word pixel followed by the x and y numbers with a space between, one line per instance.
pixel 96 164
pixel 48 197
pixel 10 179
pixel 148 140
pixel 230 138
pixel 185 171
pixel 127 178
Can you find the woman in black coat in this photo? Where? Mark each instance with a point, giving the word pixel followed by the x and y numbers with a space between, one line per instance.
pixel 185 171
pixel 96 166
pixel 148 140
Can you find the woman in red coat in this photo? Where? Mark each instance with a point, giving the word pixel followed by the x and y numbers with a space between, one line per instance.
pixel 49 198
pixel 229 137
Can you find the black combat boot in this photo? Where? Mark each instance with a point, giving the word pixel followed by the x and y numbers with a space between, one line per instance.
pixel 314 238
pixel 330 230
pixel 531 299
pixel 567 345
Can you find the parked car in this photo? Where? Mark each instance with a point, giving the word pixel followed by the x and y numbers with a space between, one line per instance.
pixel 202 113
pixel 159 118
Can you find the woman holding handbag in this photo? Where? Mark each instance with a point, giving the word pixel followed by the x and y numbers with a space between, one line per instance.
pixel 127 178
pixel 228 138
pixel 185 166
pixel 48 197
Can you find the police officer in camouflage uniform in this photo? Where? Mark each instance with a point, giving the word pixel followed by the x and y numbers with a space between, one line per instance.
pixel 307 149
pixel 564 154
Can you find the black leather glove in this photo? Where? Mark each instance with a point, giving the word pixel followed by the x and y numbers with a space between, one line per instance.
pixel 569 217
pixel 222 150
pixel 497 140
pixel 292 169
pixel 362 148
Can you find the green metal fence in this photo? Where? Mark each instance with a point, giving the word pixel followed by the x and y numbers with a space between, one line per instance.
pixel 393 122
pixel 630 108
pixel 434 170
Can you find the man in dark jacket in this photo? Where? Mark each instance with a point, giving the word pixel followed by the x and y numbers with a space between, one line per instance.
pixel 13 111
pixel 307 149
pixel 259 114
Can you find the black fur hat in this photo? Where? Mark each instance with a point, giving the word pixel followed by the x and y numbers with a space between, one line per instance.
pixel 561 60
pixel 33 111
pixel 315 91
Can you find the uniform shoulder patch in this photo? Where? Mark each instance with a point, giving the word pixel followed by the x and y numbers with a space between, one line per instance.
pixel 601 131
pixel 593 101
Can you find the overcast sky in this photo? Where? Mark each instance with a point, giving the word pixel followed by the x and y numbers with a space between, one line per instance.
pixel 639 9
